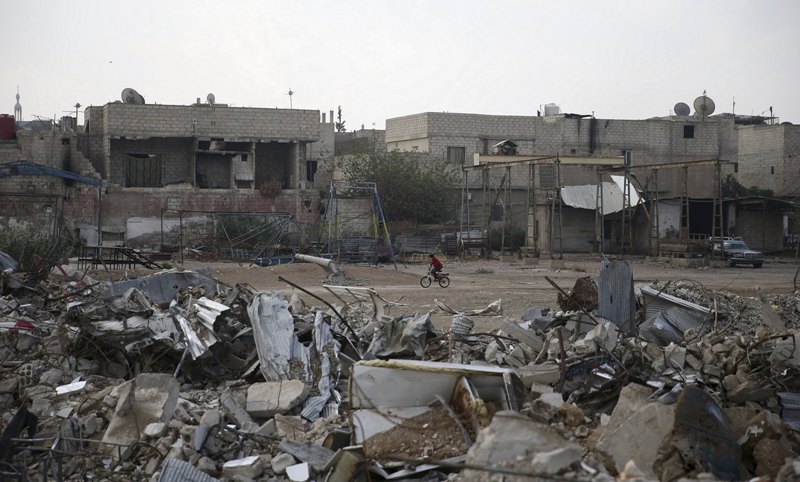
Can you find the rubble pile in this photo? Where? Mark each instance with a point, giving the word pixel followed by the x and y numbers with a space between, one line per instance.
pixel 179 377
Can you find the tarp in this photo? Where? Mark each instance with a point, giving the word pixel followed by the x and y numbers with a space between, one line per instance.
pixel 585 197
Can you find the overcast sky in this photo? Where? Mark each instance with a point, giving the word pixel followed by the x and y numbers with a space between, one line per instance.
pixel 382 59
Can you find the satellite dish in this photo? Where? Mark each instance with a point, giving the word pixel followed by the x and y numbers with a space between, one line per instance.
pixel 211 99
pixel 130 96
pixel 703 105
pixel 682 108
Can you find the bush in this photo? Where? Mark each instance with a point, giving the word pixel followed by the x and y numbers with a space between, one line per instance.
pixel 515 238
pixel 22 242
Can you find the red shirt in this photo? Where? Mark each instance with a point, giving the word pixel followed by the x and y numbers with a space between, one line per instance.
pixel 436 263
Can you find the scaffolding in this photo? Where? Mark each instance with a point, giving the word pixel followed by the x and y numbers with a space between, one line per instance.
pixel 535 190
pixel 545 199
pixel 354 226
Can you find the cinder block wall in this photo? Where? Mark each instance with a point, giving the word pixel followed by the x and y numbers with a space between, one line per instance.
pixel 231 123
pixel 761 230
pixel 176 158
pixel 761 157
pixel 650 141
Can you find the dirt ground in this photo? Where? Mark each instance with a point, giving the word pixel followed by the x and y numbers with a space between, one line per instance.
pixel 475 284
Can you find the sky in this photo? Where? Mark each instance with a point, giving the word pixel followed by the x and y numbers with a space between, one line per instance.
pixel 379 59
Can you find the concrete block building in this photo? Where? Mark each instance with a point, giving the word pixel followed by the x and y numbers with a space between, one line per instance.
pixel 157 161
pixel 759 154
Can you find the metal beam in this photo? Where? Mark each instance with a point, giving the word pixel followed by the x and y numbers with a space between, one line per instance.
pixel 482 161
pixel 27 168
pixel 663 165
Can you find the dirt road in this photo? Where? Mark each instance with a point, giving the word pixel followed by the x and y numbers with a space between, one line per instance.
pixel 475 284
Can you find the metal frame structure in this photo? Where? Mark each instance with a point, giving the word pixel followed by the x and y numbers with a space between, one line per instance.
pixel 684 234
pixel 484 163
pixel 604 165
pixel 275 225
pixel 332 224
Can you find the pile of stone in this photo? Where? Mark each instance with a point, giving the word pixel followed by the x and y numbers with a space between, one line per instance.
pixel 178 377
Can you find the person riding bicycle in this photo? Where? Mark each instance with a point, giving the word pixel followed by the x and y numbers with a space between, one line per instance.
pixel 435 266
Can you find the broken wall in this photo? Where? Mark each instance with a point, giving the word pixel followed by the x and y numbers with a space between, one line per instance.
pixel 173 158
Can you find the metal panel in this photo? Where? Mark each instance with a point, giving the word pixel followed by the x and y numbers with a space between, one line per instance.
pixel 179 471
pixel 615 291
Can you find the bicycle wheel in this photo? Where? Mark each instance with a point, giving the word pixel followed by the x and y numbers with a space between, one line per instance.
pixel 425 281
pixel 444 282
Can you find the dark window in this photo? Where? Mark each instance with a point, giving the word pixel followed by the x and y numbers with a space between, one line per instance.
pixel 64 142
pixel 735 167
pixel 572 151
pixel 772 170
pixel 311 170
pixel 244 157
pixel 688 132
pixel 142 170
pixel 456 155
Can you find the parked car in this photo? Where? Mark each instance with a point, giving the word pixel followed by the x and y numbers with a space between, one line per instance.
pixel 736 252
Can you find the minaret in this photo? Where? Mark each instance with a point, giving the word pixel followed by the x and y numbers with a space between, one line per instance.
pixel 17 108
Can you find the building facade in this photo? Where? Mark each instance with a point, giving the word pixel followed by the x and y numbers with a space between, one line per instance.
pixel 160 161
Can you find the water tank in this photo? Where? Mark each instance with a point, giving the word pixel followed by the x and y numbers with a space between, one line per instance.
pixel 551 109
pixel 8 127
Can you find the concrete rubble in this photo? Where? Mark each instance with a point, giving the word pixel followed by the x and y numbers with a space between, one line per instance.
pixel 179 377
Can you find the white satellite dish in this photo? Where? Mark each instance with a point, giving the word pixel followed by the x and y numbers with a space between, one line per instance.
pixel 703 105
pixel 682 108
pixel 130 96
pixel 211 99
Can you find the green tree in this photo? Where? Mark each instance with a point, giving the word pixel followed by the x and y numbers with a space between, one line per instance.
pixel 410 189
pixel 339 122
pixel 733 188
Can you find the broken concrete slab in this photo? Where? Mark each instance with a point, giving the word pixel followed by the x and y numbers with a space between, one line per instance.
pixel 636 429
pixel 318 457
pixel 149 398
pixel 268 398
pixel 511 436
pixel 251 467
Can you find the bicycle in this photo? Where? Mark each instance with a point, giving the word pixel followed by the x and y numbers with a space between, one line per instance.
pixel 442 278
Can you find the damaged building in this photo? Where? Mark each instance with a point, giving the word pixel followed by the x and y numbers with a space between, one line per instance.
pixel 692 154
pixel 164 162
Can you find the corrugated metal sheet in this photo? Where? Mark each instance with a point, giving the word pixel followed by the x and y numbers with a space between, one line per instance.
pixel 179 471
pixel 668 317
pixel 790 409
pixel 276 343
pixel 615 294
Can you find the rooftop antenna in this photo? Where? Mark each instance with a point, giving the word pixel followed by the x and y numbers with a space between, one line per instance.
pixel 290 94
pixel 211 99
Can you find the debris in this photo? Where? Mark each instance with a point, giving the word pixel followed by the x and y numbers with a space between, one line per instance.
pixel 266 399
pixel 250 467
pixel 701 441
pixel 668 318
pixel 494 308
pixel 401 336
pixel 583 296
pixel 636 429
pixel 616 301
